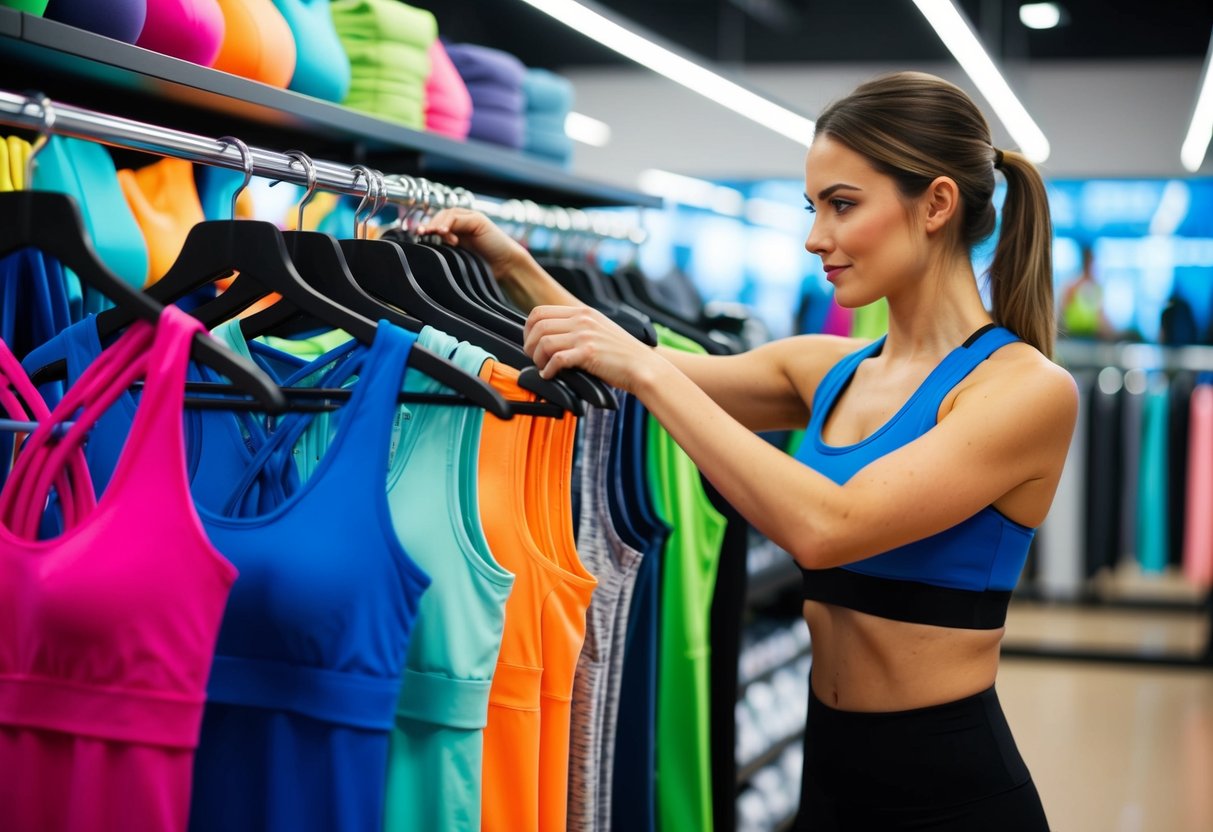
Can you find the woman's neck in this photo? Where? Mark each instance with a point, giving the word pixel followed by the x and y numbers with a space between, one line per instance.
pixel 936 314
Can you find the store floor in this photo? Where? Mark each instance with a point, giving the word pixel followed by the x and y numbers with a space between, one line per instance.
pixel 1114 748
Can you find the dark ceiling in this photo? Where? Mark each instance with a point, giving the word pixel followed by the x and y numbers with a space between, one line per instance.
pixel 836 31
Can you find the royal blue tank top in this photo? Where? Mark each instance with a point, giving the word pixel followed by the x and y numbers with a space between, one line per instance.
pixel 311 654
pixel 961 577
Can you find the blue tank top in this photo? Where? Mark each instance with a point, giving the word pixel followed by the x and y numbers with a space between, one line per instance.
pixel 311 653
pixel 960 577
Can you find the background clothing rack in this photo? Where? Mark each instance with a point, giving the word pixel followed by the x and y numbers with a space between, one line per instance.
pixel 1080 357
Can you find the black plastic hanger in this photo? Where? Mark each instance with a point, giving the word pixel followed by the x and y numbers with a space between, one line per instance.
pixel 51 223
pixel 635 289
pixel 380 268
pixel 327 293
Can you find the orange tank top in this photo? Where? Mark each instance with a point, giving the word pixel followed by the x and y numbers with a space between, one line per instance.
pixel 525 488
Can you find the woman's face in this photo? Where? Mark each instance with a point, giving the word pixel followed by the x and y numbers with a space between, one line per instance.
pixel 862 230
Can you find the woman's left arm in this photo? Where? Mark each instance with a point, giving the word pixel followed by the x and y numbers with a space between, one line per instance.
pixel 1001 433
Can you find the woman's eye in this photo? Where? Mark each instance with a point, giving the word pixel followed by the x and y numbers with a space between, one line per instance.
pixel 841 205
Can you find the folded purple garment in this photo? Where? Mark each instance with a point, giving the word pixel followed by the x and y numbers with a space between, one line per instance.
pixel 118 19
pixel 495 127
pixel 480 63
pixel 496 97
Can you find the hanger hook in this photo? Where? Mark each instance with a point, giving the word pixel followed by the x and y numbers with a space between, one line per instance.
pixel 246 162
pixel 44 136
pixel 309 170
pixel 381 196
pixel 408 184
pixel 362 171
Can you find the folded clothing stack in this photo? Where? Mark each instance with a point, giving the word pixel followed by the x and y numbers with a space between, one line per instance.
pixel 191 30
pixel 85 171
pixel 322 69
pixel 117 19
pixel 494 80
pixel 549 100
pixel 257 42
pixel 388 44
pixel 448 104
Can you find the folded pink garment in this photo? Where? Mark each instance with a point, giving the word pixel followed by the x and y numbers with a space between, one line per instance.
pixel 191 30
pixel 448 105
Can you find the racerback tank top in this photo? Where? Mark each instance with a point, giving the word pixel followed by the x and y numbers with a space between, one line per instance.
pixel 434 775
pixel 600 665
pixel 104 659
pixel 309 661
pixel 960 577
pixel 684 748
pixel 541 620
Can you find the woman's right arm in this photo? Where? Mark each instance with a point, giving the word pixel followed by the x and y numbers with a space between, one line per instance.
pixel 767 388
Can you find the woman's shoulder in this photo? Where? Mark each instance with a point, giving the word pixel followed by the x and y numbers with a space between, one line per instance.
pixel 807 358
pixel 1019 377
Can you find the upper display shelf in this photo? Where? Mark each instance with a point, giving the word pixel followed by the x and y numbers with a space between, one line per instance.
pixel 79 67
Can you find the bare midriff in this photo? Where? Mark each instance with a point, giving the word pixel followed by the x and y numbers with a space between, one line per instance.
pixel 865 663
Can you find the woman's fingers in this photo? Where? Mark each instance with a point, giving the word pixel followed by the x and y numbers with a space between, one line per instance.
pixel 548 351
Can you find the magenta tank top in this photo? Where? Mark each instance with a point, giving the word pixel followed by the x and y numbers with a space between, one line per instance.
pixel 20 401
pixel 108 630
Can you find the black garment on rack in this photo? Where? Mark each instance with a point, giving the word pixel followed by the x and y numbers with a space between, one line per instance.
pixel 1180 392
pixel 728 610
pixel 1104 472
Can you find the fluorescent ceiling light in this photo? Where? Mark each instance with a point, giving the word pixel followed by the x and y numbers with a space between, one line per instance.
pixel 957 35
pixel 679 69
pixel 1171 210
pixel 1201 128
pixel 687 190
pixel 591 131
pixel 1040 15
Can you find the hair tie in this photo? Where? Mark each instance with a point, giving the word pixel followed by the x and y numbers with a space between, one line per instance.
pixel 997 159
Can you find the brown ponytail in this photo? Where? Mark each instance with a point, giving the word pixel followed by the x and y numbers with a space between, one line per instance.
pixel 1021 278
pixel 915 127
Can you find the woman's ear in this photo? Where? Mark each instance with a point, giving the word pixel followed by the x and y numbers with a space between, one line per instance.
pixel 940 202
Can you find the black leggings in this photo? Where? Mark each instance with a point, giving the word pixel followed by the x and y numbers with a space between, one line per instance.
pixel 946 768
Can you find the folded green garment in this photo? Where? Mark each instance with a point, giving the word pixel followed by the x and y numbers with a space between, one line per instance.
pixel 414 119
pixel 404 110
pixel 35 7
pixel 365 87
pixel 383 57
pixel 388 20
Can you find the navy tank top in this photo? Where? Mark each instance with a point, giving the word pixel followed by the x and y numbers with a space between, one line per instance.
pixel 961 577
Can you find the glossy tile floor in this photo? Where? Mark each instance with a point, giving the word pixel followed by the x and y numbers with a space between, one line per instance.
pixel 1113 747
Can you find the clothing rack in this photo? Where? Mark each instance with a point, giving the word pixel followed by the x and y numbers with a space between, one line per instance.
pixel 37 113
pixel 1077 356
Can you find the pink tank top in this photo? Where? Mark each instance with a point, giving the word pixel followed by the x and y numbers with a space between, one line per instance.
pixel 108 629
pixel 20 401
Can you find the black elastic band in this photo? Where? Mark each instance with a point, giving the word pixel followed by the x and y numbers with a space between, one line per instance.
pixel 973 338
pixel 911 601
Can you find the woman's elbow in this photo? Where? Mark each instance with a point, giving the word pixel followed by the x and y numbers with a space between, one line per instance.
pixel 819 545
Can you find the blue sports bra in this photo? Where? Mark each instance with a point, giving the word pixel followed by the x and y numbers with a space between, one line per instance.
pixel 961 577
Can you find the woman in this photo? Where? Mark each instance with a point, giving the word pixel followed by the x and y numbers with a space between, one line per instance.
pixel 931 454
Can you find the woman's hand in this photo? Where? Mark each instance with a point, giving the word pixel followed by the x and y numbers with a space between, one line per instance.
pixel 562 337
pixel 524 280
pixel 477 233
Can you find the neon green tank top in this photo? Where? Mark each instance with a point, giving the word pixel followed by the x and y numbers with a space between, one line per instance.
pixel 692 552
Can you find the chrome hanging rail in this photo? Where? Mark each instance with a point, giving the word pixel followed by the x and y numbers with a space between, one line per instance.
pixel 25 111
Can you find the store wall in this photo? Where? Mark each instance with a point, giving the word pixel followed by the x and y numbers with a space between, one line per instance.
pixel 1102 119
